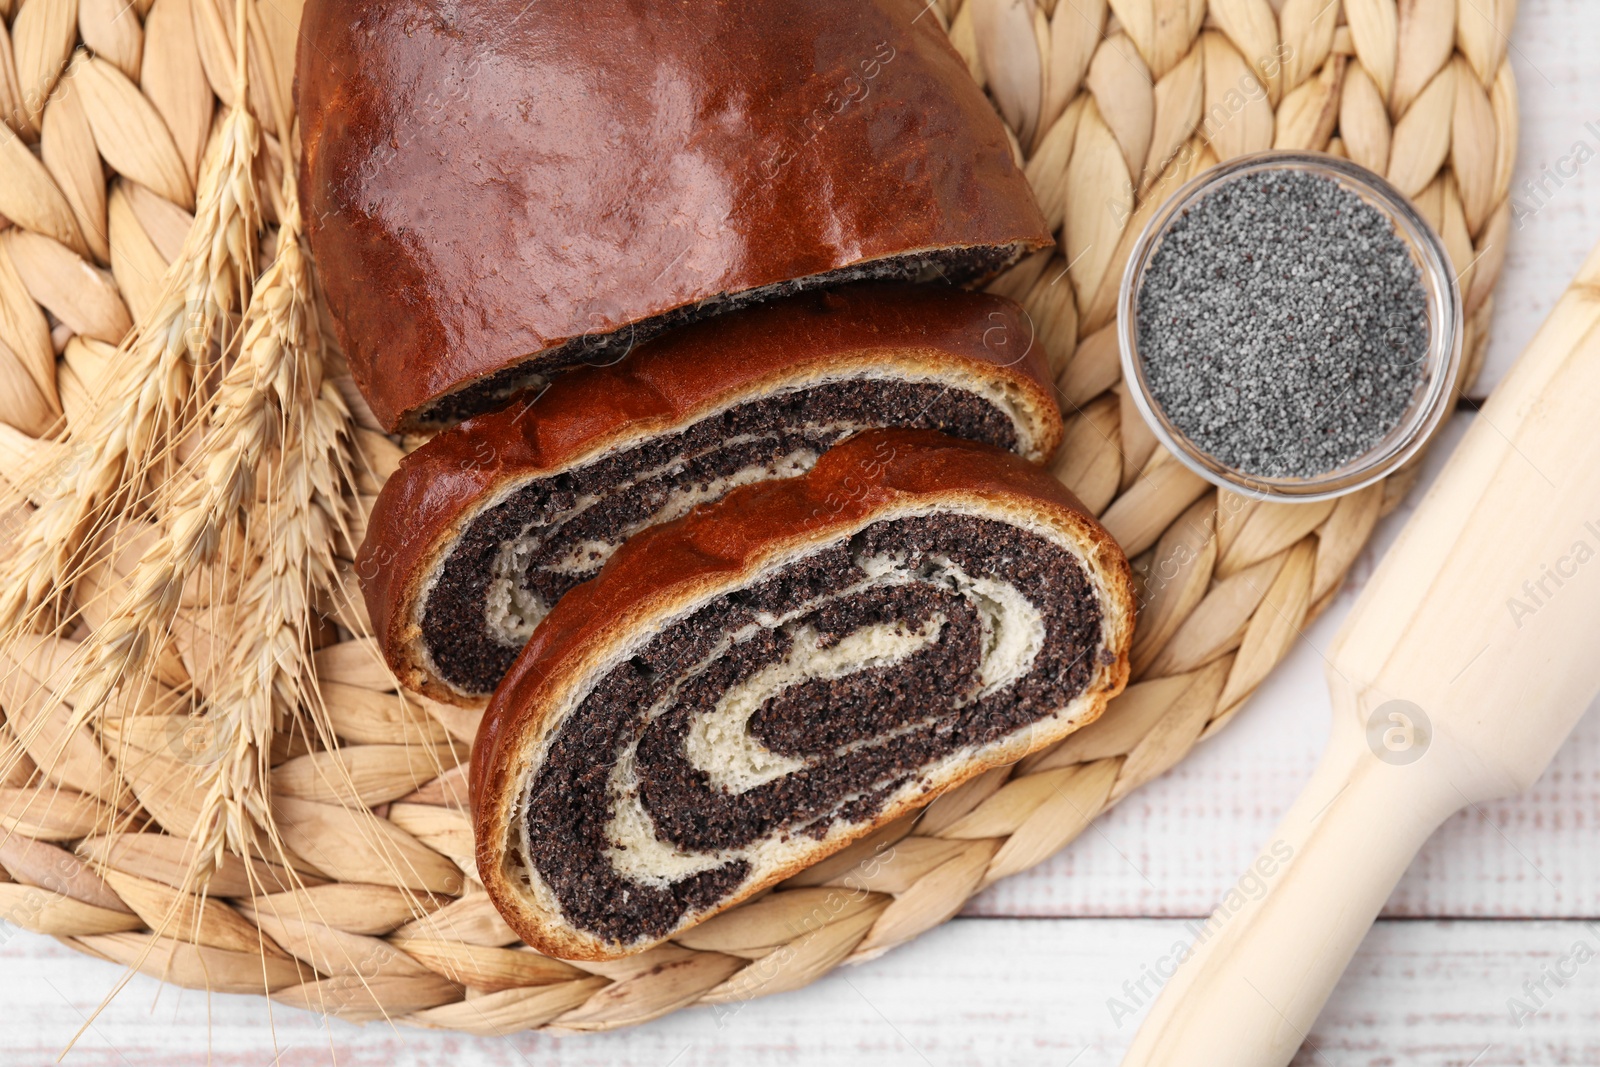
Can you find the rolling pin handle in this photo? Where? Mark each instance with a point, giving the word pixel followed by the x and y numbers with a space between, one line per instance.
pixel 1256 979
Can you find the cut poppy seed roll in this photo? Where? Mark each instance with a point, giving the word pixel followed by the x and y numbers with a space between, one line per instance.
pixel 486 526
pixel 497 191
pixel 747 690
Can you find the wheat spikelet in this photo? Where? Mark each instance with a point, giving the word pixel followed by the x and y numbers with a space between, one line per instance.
pixel 100 482
pixel 155 397
pixel 308 504
pixel 117 652
pixel 271 676
pixel 274 418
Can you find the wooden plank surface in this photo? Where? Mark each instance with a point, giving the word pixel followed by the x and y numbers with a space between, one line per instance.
pixel 1557 180
pixel 1032 980
pixel 976 991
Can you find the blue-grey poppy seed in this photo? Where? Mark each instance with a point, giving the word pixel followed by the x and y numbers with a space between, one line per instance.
pixel 1282 324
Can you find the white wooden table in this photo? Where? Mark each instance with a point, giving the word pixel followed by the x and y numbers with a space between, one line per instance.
pixel 1483 959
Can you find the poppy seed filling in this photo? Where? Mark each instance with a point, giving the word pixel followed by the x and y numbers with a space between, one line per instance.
pixel 819 694
pixel 515 560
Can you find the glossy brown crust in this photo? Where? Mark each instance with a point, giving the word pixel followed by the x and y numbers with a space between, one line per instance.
pixel 487 180
pixel 721 546
pixel 667 384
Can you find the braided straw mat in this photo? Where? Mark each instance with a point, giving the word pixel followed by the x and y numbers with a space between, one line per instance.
pixel 1114 104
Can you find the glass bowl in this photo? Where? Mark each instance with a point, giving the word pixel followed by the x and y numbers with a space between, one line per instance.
pixel 1440 365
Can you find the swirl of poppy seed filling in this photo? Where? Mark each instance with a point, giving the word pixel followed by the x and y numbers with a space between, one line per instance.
pixel 512 563
pixel 804 702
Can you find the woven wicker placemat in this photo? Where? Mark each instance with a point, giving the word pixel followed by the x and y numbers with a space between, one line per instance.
pixel 110 108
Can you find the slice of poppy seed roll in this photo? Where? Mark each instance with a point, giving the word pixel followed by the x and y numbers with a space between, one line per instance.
pixel 752 687
pixel 485 527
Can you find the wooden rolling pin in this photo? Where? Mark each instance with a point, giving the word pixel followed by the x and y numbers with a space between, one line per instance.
pixel 1465 663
